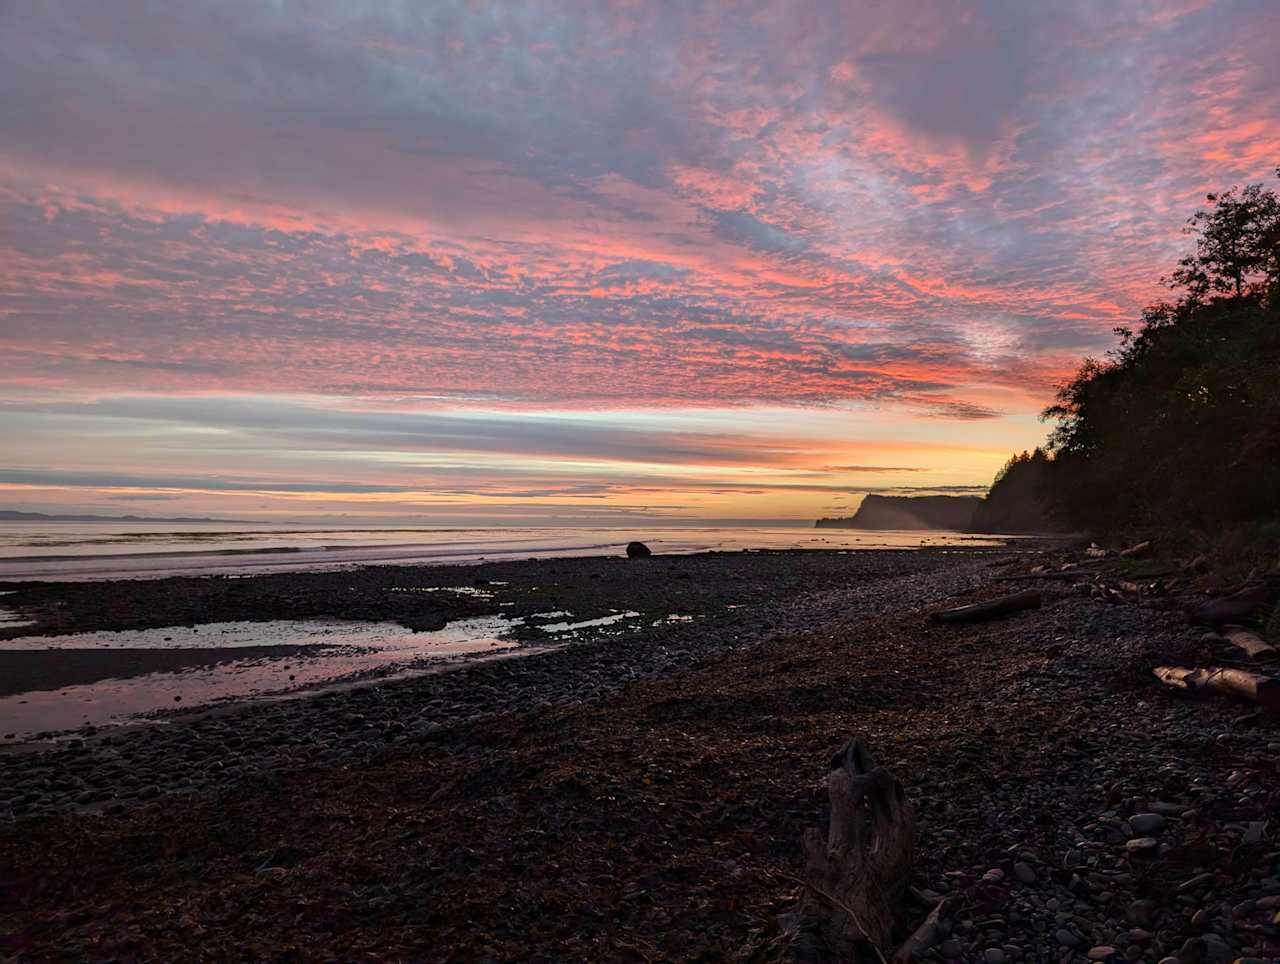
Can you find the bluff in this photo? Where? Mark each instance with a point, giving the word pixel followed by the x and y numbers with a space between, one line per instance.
pixel 909 512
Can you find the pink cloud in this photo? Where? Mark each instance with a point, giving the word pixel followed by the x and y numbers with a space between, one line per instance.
pixel 919 206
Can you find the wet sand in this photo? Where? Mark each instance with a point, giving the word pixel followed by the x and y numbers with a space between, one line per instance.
pixel 37 670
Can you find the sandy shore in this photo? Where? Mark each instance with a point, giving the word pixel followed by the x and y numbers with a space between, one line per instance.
pixel 643 798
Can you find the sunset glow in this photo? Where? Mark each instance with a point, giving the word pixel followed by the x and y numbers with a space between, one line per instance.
pixel 514 262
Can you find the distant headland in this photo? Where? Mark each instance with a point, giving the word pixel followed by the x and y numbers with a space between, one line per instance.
pixel 10 515
pixel 909 512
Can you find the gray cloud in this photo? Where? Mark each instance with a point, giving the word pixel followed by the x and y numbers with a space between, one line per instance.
pixel 277 422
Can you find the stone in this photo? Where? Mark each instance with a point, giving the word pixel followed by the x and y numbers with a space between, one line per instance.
pixel 952 948
pixel 1208 948
pixel 1024 873
pixel 1066 938
pixel 993 955
pixel 1103 952
pixel 1142 912
pixel 1192 951
pixel 638 550
pixel 1147 823
pixel 1142 846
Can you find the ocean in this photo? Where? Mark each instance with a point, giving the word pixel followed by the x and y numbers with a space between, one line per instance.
pixel 78 551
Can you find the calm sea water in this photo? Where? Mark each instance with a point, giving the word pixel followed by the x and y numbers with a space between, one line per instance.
pixel 80 551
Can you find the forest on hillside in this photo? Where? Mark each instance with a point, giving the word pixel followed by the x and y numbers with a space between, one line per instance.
pixel 1177 431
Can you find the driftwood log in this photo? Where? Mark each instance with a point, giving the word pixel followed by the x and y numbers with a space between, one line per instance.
pixel 857 873
pixel 1251 643
pixel 1239 607
pixel 1027 599
pixel 1238 683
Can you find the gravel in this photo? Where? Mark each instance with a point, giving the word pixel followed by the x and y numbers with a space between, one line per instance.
pixel 645 791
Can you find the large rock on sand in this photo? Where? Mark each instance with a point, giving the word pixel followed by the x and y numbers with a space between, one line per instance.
pixel 637 550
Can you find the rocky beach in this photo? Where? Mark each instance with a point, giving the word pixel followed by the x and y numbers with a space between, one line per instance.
pixel 639 789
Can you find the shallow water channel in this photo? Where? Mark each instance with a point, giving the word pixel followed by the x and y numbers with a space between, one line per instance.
pixel 229 663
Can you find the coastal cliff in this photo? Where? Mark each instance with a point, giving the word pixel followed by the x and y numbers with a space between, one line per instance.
pixel 909 512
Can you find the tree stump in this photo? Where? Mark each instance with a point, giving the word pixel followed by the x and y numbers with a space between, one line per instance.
pixel 856 875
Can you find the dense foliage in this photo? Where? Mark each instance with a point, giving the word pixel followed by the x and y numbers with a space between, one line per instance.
pixel 1180 426
pixel 1016 502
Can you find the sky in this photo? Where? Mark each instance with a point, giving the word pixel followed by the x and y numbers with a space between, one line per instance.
pixel 616 263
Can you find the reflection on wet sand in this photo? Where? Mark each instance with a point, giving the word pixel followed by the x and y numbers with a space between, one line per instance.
pixel 335 651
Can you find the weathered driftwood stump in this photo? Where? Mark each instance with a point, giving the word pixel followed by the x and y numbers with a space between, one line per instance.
pixel 856 875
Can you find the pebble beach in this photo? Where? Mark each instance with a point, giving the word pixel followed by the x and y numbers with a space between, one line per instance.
pixel 637 790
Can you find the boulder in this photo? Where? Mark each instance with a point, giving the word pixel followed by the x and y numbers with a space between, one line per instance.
pixel 638 550
pixel 1147 823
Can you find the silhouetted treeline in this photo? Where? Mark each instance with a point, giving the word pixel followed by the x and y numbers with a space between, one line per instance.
pixel 1018 497
pixel 1179 428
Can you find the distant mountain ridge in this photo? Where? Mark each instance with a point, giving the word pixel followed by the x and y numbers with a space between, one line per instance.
pixel 10 515
pixel 909 512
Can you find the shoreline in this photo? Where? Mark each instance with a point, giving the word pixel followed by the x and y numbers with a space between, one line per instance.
pixel 194 556
pixel 649 791
pixel 533 602
pixel 702 604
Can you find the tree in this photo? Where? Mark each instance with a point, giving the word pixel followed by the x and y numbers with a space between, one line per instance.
pixel 1237 246
pixel 1180 425
pixel 1017 500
